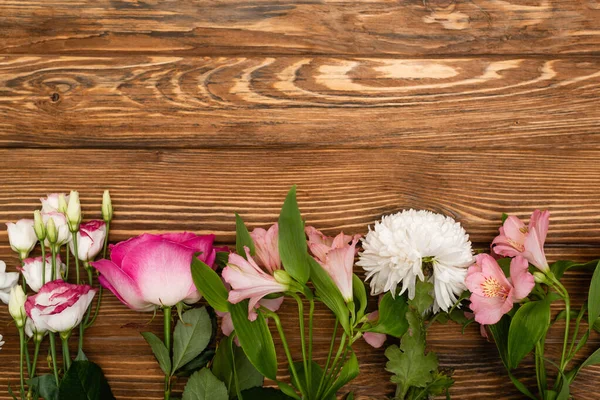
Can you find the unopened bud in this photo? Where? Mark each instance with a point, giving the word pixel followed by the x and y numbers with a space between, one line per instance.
pixel 51 231
pixel 540 277
pixel 107 208
pixel 62 203
pixel 74 211
pixel 38 225
pixel 282 277
pixel 16 305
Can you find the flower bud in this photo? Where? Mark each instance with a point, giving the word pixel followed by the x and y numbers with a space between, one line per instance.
pixel 51 231
pixel 107 209
pixel 74 211
pixel 21 236
pixel 38 225
pixel 16 305
pixel 540 277
pixel 62 203
pixel 282 277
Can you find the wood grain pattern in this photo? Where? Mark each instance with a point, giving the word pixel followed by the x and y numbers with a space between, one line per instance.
pixel 307 27
pixel 215 102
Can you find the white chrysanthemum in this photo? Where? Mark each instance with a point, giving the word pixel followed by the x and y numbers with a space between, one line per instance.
pixel 411 244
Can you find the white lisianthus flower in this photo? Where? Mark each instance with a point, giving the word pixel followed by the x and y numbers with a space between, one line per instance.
pixel 417 244
pixel 7 281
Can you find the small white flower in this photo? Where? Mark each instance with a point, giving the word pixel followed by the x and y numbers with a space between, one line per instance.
pixel 411 244
pixel 21 236
pixel 7 281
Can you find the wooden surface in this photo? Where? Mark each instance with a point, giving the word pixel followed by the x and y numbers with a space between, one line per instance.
pixel 189 111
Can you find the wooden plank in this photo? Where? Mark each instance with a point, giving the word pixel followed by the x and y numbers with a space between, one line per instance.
pixel 199 190
pixel 115 343
pixel 291 27
pixel 295 102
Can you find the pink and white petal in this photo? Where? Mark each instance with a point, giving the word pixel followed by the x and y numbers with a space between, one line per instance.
pixel 540 221
pixel 376 340
pixel 487 310
pixel 226 323
pixel 521 279
pixel 501 246
pixel 534 252
pixel 514 229
pixel 121 285
pixel 272 304
pixel 120 250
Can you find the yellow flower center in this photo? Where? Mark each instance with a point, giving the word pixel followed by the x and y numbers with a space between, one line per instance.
pixel 492 288
pixel 520 247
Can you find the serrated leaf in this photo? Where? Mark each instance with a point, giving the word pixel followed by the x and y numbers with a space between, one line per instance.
pixel 203 385
pixel 210 285
pixel 329 293
pixel 255 338
pixel 84 380
pixel 292 239
pixel 197 363
pixel 243 238
pixel 528 326
pixel 191 336
pixel 423 300
pixel 160 351
pixel 409 363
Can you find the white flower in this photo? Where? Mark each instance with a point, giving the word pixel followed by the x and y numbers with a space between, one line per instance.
pixel 51 202
pixel 32 271
pixel 7 281
pixel 61 225
pixel 411 244
pixel 21 236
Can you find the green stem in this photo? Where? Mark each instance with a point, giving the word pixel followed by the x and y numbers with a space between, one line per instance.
pixel 88 268
pixel 286 348
pixel 331 345
pixel 52 337
pixel 53 250
pixel 577 323
pixel 334 365
pixel 90 323
pixel 43 263
pixel 68 257
pixel 167 332
pixel 21 358
pixel 235 377
pixel 36 353
pixel 65 350
pixel 76 255
pixel 106 240
pixel 311 313
pixel 80 339
pixel 303 340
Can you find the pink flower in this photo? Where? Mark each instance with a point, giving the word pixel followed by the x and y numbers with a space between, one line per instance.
pixel 21 236
pixel 528 241
pixel 374 339
pixel 492 294
pixel 90 240
pixel 249 281
pixel 50 203
pixel 336 256
pixel 59 306
pixel 33 268
pixel 150 271
pixel 227 323
pixel 266 243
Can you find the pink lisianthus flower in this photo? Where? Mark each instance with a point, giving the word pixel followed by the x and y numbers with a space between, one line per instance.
pixel 90 240
pixel 528 241
pixel 492 294
pixel 376 340
pixel 150 271
pixel 59 306
pixel 34 268
pixel 266 243
pixel 249 281
pixel 336 256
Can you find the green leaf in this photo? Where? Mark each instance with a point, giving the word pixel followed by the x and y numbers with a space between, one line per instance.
pixel 561 266
pixel 45 386
pixel 594 298
pixel 210 285
pixel 499 331
pixel 597 325
pixel 392 316
pixel 191 336
pixel 592 360
pixel 203 385
pixel 221 258
pixel 256 339
pixel 243 238
pixel 292 239
pixel 230 357
pixel 504 264
pixel 528 326
pixel 409 363
pixel 288 390
pixel 423 299
pixel 264 394
pixel 349 371
pixel 360 294
pixel 440 384
pixel 84 380
pixel 160 351
pixel 316 374
pixel 329 293
pixel 197 363
pixel 81 356
pixel 504 217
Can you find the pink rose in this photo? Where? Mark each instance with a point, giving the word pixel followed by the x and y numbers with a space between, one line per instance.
pixel 150 271
pixel 90 240
pixel 528 241
pixel 336 256
pixel 492 294
pixel 59 306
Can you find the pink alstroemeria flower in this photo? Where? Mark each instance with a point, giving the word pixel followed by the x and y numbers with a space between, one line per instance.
pixel 376 340
pixel 528 241
pixel 336 256
pixel 266 243
pixel 227 323
pixel 150 271
pixel 249 281
pixel 492 294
